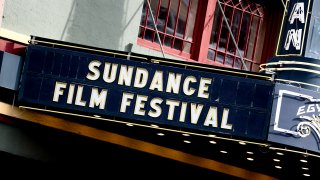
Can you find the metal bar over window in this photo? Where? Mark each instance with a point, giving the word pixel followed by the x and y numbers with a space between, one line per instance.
pixel 155 26
pixel 174 20
pixel 233 39
pixel 176 24
pixel 240 21
pixel 156 20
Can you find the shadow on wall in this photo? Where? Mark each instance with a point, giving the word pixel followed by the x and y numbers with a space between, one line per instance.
pixel 98 23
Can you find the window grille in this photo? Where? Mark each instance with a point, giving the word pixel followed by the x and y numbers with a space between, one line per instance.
pixel 184 31
pixel 246 21
pixel 175 20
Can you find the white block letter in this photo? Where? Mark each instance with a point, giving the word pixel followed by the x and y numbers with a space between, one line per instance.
pixel 154 103
pixel 97 99
pixel 79 100
pixel 173 83
pixel 224 123
pixel 141 78
pixel 70 94
pixel 195 112
pixel 93 67
pixel 172 104
pixel 212 117
pixel 186 85
pixel 140 103
pixel 109 75
pixel 293 36
pixel 126 97
pixel 125 75
pixel 203 88
pixel 157 81
pixel 297 13
pixel 58 90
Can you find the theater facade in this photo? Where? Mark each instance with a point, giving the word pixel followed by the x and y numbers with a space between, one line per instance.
pixel 181 98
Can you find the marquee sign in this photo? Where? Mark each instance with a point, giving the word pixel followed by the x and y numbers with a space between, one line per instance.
pixel 295 117
pixel 295 24
pixel 142 91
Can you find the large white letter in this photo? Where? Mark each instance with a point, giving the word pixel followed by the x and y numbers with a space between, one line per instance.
pixel 195 112
pixel 93 67
pixel 98 99
pixel 141 78
pixel 79 101
pixel 58 90
pixel 301 110
pixel 172 104
pixel 157 81
pixel 183 111
pixel 186 85
pixel 109 75
pixel 173 83
pixel 224 123
pixel 212 117
pixel 297 12
pixel 154 103
pixel 70 94
pixel 203 87
pixel 293 36
pixel 125 75
pixel 140 103
pixel 311 108
pixel 126 97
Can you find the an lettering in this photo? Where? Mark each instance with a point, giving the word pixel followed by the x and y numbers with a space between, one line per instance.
pixel 294 35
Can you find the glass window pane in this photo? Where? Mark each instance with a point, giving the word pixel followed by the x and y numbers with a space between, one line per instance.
pixel 162 15
pixel 315 39
pixel 245 21
pixel 175 21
